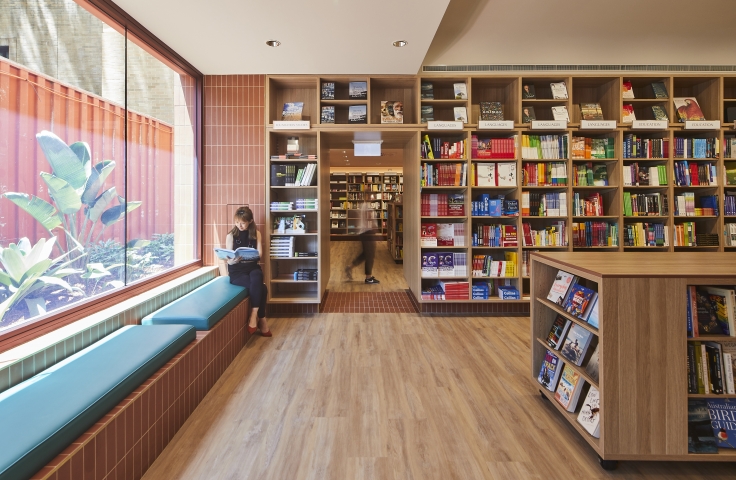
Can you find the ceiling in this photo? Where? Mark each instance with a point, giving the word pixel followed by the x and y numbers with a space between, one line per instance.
pixel 354 37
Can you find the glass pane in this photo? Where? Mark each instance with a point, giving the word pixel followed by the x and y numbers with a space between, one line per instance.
pixel 62 123
pixel 160 173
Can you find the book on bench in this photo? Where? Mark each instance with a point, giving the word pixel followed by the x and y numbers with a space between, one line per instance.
pixel 245 253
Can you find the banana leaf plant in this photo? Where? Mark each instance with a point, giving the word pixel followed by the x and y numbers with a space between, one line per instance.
pixel 27 270
pixel 75 186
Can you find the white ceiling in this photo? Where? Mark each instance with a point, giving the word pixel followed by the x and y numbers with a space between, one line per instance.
pixel 354 37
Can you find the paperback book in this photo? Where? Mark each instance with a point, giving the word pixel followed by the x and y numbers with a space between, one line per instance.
pixel 592 367
pixel 243 253
pixel 659 90
pixel 292 111
pixel 591 111
pixel 659 112
pixel 627 90
pixel 593 317
pixel 558 331
pixel 527 91
pixel 527 115
pixel 560 113
pixel 579 300
pixel 461 114
pixel 700 438
pixel 328 114
pixel 559 90
pixel 491 111
pixel 357 114
pixel 427 91
pixel 628 115
pixel 550 372
pixel 722 413
pixel 568 390
pixel 461 91
pixel 558 293
pixel 427 114
pixel 328 90
pixel 589 416
pixel 358 90
pixel 688 109
pixel 576 344
pixel 392 112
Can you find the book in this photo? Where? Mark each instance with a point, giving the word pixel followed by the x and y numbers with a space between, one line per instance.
pixel 558 293
pixel 292 111
pixel 245 253
pixel 579 300
pixel 278 175
pixel 491 111
pixel 357 114
pixel 659 112
pixel 427 114
pixel 705 314
pixel 591 111
pixel 559 90
pixel 724 303
pixel 549 373
pixel 593 317
pixel 427 91
pixel 728 347
pixel 558 331
pixel 659 90
pixel 700 438
pixel 627 113
pixel 722 413
pixel 688 109
pixel 292 145
pixel 358 90
pixel 328 90
pixel 589 416
pixel 560 113
pixel 527 91
pixel 392 112
pixel 593 367
pixel 568 389
pixel 627 90
pixel 328 114
pixel 461 114
pixel 600 175
pixel 527 115
pixel 506 174
pixel 576 344
pixel 461 91
pixel 290 224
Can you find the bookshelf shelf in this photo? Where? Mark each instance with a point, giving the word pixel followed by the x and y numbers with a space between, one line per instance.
pixel 579 370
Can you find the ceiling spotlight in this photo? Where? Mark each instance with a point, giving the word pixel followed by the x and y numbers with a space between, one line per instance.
pixel 273 43
pixel 399 43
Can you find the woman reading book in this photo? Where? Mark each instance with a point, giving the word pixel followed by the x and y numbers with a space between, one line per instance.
pixel 247 273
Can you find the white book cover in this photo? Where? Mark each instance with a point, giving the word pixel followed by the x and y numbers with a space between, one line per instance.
pixel 590 413
pixel 461 91
pixel 560 113
pixel 506 174
pixel 729 348
pixel 486 174
pixel 560 287
pixel 559 90
pixel 728 370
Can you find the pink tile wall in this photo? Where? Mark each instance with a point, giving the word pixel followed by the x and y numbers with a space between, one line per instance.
pixel 234 163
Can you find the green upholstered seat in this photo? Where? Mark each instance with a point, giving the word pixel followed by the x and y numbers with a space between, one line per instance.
pixel 201 308
pixel 42 416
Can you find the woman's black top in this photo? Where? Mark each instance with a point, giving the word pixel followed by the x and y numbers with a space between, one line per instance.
pixel 243 240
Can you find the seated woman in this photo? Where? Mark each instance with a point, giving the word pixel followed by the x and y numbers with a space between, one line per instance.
pixel 248 273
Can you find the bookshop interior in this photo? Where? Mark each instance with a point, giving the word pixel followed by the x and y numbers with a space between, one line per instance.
pixel 482 244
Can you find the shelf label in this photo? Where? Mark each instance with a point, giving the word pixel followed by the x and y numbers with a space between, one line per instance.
pixel 649 125
pixel 549 125
pixel 496 125
pixel 291 125
pixel 703 125
pixel 438 125
pixel 598 124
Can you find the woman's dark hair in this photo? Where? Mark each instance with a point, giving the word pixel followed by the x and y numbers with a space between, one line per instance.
pixel 244 214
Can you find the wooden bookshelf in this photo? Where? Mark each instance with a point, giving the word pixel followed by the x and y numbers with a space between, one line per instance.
pixel 348 189
pixel 395 231
pixel 642 333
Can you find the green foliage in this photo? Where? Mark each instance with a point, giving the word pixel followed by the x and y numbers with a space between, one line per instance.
pixel 144 257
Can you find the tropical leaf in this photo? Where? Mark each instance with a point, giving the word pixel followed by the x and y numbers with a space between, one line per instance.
pixel 64 162
pixel 96 178
pixel 96 270
pixel 83 153
pixel 36 306
pixel 66 198
pixel 36 269
pixel 41 250
pixel 95 210
pixel 113 215
pixel 138 243
pixel 13 264
pixel 41 210
pixel 5 279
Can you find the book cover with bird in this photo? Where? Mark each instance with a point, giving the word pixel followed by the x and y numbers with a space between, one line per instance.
pixel 722 413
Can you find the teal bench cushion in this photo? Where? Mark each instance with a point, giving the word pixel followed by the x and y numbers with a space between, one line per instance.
pixel 201 308
pixel 42 416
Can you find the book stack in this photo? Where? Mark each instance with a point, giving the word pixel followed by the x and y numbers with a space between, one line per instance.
pixel 553 204
pixel 590 175
pixel 305 274
pixel 594 234
pixel 636 175
pixel 443 204
pixel 438 148
pixel 508 292
pixel 592 206
pixel 695 173
pixel 547 147
pixel 550 236
pixel 729 147
pixel 455 290
pixel 645 235
pixel 282 247
pixel 444 264
pixel 584 148
pixel 498 206
pixel 501 174
pixel 696 147
pixel 495 236
pixel 482 290
pixel 645 204
pixel 637 147
pixel 492 148
pixel 544 174
pixel 444 174
pixel 433 292
pixel 306 203
pixel 282 206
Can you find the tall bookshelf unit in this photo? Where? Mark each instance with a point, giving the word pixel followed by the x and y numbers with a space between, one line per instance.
pixel 395 231
pixel 715 95
pixel 642 341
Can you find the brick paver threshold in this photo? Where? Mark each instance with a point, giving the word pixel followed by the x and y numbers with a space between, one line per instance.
pixel 367 302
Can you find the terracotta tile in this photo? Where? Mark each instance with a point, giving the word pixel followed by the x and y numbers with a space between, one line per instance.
pixel 119 437
pixel 77 461
pixel 89 458
pixel 100 455
pixel 130 466
pixel 65 471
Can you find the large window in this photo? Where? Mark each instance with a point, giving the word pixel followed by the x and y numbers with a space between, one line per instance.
pixel 97 160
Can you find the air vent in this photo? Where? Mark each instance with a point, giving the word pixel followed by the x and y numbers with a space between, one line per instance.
pixel 579 68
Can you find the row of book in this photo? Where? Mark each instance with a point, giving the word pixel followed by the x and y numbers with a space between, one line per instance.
pixel 645 235
pixel 730 234
pixel 492 148
pixel 487 266
pixel 685 235
pixel 443 205
pixel 696 147
pixel 594 234
pixel 292 176
pixel 636 147
pixel 495 236
pixel 460 91
pixel 591 206
pixel 575 298
pixel 645 204
pixel 636 175
pixel 499 174
pixel 486 205
pixel 442 235
pixel 282 247
pixel 436 148
pixel 710 368
pixel 685 205
pixel 446 290
pixel 586 148
pixel 444 264
pixel 547 147
pixel 590 175
pixel 729 203
pixel 544 174
pixel 729 147
pixel 547 236
pixel 695 173
pixel 552 204
pixel 711 310
pixel 444 174
pixel 306 274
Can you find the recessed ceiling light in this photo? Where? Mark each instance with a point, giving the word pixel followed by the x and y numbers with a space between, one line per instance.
pixel 273 43
pixel 399 43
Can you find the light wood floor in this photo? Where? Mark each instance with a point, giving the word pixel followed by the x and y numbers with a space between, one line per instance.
pixel 361 396
pixel 389 273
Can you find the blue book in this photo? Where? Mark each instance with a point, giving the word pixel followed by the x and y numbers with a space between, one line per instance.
pixel 579 301
pixel 722 414
pixel 593 317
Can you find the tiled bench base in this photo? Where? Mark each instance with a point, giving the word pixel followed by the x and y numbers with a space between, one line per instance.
pixel 126 441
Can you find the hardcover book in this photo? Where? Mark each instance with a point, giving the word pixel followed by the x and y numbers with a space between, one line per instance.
pixel 559 90
pixel 659 112
pixel 722 413
pixel 558 293
pixel 558 331
pixel 358 90
pixel 461 91
pixel 527 115
pixel 576 344
pixel 628 115
pixel 579 300
pixel 427 114
pixel 357 114
pixel 392 112
pixel 527 91
pixel 292 111
pixel 568 390
pixel 560 113
pixel 429 235
pixel 427 91
pixel 328 90
pixel 244 253
pixel 328 114
pixel 589 416
pixel 430 264
pixel 461 114
pixel 627 90
pixel 491 111
pixel 700 438
pixel 660 90
pixel 688 109
pixel 550 372
pixel 593 364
